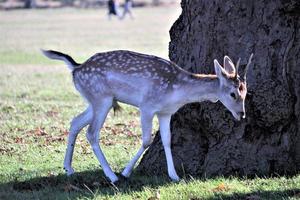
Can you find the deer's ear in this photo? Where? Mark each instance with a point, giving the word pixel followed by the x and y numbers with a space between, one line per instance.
pixel 228 65
pixel 220 72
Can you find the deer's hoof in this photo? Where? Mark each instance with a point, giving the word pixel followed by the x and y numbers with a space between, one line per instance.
pixel 69 171
pixel 175 178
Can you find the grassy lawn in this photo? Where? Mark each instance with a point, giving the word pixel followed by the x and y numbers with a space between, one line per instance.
pixel 37 101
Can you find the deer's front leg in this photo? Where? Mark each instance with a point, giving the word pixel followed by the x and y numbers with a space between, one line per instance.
pixel 77 124
pixel 164 127
pixel 146 124
pixel 100 112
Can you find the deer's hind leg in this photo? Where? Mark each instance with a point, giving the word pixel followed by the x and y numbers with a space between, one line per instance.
pixel 77 124
pixel 100 111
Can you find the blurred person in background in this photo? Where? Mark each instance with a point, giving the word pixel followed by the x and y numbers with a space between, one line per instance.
pixel 127 9
pixel 113 8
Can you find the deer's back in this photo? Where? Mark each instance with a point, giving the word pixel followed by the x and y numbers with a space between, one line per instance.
pixel 126 75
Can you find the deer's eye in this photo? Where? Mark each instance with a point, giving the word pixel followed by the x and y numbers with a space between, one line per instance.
pixel 233 95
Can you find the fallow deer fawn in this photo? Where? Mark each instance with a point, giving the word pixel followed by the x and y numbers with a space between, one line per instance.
pixel 154 85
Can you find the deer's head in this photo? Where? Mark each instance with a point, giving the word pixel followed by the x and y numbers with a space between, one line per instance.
pixel 232 88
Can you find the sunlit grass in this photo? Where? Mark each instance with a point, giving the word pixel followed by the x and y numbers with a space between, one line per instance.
pixel 82 33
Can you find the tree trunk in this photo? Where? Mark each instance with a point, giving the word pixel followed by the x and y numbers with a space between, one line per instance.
pixel 206 140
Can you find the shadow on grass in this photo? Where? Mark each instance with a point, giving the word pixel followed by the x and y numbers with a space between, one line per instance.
pixel 87 183
pixel 83 184
pixel 259 195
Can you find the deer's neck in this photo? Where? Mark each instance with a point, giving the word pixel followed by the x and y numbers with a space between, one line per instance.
pixel 198 87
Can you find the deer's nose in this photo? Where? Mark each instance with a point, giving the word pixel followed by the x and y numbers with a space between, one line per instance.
pixel 242 114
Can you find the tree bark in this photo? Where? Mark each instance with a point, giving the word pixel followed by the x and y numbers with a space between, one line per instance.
pixel 206 140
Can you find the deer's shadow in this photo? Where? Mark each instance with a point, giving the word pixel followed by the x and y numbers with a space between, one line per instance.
pixel 86 183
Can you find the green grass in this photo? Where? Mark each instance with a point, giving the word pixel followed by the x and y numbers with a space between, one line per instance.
pixel 81 33
pixel 37 101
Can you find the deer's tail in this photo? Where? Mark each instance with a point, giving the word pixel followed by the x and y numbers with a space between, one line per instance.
pixel 72 64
